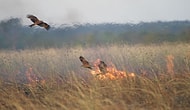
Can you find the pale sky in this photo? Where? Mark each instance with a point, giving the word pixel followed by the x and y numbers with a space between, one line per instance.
pixel 96 11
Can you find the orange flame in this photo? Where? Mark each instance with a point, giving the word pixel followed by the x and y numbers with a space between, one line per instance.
pixel 33 80
pixel 112 72
pixel 170 64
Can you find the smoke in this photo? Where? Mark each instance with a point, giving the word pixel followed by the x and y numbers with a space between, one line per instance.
pixel 11 8
pixel 73 16
pixel 96 11
pixel 18 9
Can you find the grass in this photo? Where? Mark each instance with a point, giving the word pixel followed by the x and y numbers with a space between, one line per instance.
pixel 162 78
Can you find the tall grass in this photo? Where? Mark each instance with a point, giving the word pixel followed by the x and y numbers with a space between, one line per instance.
pixel 162 78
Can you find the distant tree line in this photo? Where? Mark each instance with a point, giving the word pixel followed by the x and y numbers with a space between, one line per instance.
pixel 14 35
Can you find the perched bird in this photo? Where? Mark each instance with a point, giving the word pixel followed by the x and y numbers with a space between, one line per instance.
pixel 102 67
pixel 38 22
pixel 85 63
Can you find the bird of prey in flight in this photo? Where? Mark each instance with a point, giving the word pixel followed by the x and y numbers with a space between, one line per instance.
pixel 85 63
pixel 38 22
pixel 102 67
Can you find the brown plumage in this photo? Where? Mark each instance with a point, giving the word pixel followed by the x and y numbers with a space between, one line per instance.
pixel 38 22
pixel 85 63
pixel 102 67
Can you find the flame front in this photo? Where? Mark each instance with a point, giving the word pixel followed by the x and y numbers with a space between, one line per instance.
pixel 33 80
pixel 112 73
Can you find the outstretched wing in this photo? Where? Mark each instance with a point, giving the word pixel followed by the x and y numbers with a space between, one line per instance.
pixel 45 25
pixel 33 18
pixel 85 62
pixel 38 22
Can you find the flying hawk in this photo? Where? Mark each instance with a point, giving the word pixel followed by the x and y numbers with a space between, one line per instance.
pixel 102 67
pixel 85 63
pixel 38 22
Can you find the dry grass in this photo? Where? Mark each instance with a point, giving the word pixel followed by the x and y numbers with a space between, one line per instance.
pixel 53 79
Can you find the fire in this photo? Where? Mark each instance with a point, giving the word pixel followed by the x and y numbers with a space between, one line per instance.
pixel 111 73
pixel 170 64
pixel 33 80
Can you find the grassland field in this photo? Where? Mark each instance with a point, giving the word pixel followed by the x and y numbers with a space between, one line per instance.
pixel 53 79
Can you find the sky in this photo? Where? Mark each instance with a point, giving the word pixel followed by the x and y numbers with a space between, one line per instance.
pixel 96 11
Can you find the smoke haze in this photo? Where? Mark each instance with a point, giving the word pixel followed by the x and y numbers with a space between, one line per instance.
pixel 96 11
